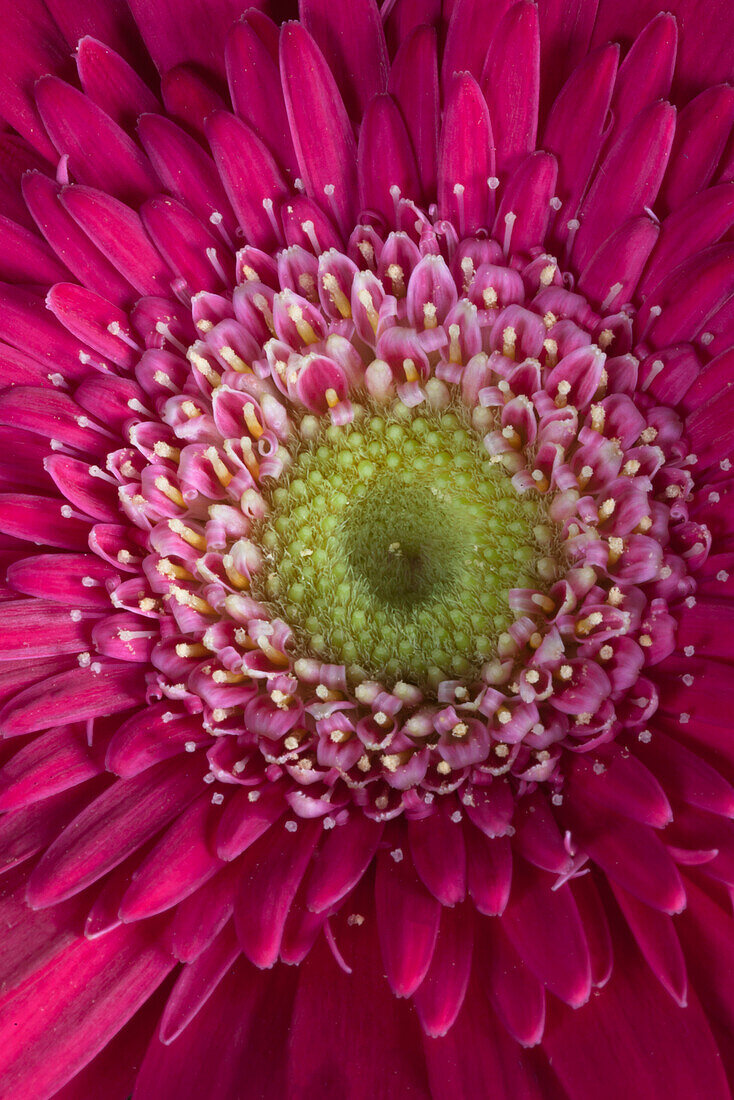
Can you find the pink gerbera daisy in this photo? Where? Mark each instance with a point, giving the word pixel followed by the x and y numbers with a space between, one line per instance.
pixel 366 413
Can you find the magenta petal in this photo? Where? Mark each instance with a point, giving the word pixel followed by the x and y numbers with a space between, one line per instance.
pixel 489 871
pixel 628 179
pixel 703 130
pixel 253 181
pixel 511 84
pixel 575 137
pixel 320 127
pixel 26 323
pixel 342 858
pixel 689 296
pixel 179 864
pixel 201 916
pixel 700 221
pixel 596 927
pixel 109 829
pixel 257 94
pixel 439 857
pixel 76 580
pixel 407 920
pixel 54 762
pixel 42 521
pixel 414 84
pixel 69 242
pixel 24 258
pixel 94 320
pixel 111 83
pixel 175 33
pixel 565 34
pixel 353 42
pixel 517 995
pixel 466 156
pixel 646 73
pixel 385 160
pixel 118 232
pixel 612 274
pixel 89 992
pixel 658 941
pixel 197 982
pixel 76 126
pixel 270 874
pixel 470 32
pixel 524 213
pixel 39 628
pixel 440 995
pixel 245 819
pixel 31 45
pixel 536 914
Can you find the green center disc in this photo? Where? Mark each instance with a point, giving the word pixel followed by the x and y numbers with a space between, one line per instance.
pixel 392 545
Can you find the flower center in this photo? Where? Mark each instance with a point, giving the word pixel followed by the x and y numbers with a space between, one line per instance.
pixel 394 545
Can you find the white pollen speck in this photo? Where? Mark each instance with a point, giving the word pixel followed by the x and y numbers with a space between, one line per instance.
pixel 689 650
pixel 209 777
pixel 190 746
pixel 690 601
pixel 67 511
pixel 493 183
pixel 684 719
pixel 645 736
pixel 355 918
pixel 555 203
pixel 95 667
pixel 456 817
pixel 722 576
pixel 707 338
pixel 84 660
pixel 725 464
pixel 329 822
pixel 557 799
pixel 291 826
pixel 253 796
pixel 687 679
pixel 397 854
pixel 217 799
pixel 599 768
pixel 75 616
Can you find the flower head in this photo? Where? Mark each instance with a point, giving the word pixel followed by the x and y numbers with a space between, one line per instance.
pixel 366 528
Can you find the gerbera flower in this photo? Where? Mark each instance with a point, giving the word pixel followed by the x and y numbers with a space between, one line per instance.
pixel 367 538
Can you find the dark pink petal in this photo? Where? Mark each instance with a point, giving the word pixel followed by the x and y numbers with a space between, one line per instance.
pixel 179 864
pixel 330 1056
pixel 634 1036
pixel 466 156
pixel 711 430
pixel 414 84
pixel 118 232
pixel 25 323
pixel 535 916
pixel 353 42
pixel 271 872
pixel 51 763
pixel 69 242
pixel 201 916
pixel 621 783
pixel 24 258
pixel 477 1057
pixel 41 520
pixel 575 136
pixel 646 73
pixel 565 34
pixel 109 21
pixel 112 827
pixel 440 995
pixel 39 628
pixel 537 836
pixel 407 920
pixel 439 856
pixel 689 296
pixel 470 33
pixel 77 580
pixel 524 213
pixel 27 831
pixel 703 129
pixel 628 179
pixel 186 245
pixel 633 855
pixel 92 495
pixel 257 94
pixel 42 411
pixel 686 776
pixel 95 321
pixel 611 276
pixel 197 982
pixel 248 1053
pixel 320 127
pixel 31 45
pixel 152 735
pixel 656 937
pixel 385 160
pixel 76 126
pixel 245 819
pixel 88 993
pixel 189 98
pixel 253 181
pixel 517 996
pixel 511 84
pixel 111 83
pixel 342 858
pixel 174 32
pixel 186 170
pixel 489 871
pixel 700 221
pixel 596 927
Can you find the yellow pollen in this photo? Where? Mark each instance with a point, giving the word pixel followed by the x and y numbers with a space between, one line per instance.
pixel 248 456
pixel 164 486
pixel 509 342
pixel 489 297
pixel 303 328
pixel 337 295
pixel 237 579
pixel 222 473
pixel 253 424
pixel 607 508
pixel 429 315
pixel 631 467
pixel 504 716
pixel 165 450
pixel 532 676
pixel 223 676
pixel 233 360
pixel 615 597
pixel 565 672
pixel 411 374
pixel 189 599
pixel 460 729
pixel 597 418
pixel 396 275
pixel 189 409
pixel 606 653
pixel 365 299
pixel 454 344
pixel 332 398
pixel 443 767
pixel 187 534
pixel 364 763
pixel 184 649
pixel 645 640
